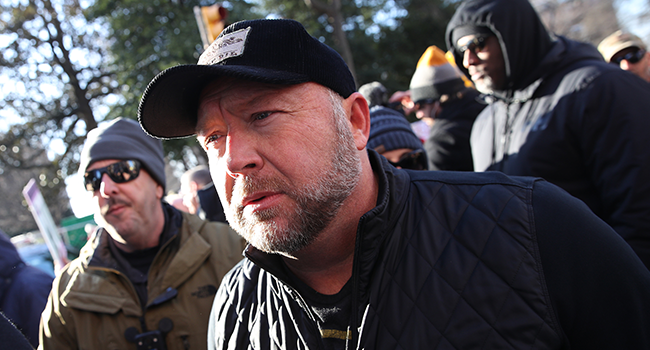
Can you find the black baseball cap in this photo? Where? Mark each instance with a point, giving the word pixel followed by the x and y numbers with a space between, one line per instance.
pixel 274 51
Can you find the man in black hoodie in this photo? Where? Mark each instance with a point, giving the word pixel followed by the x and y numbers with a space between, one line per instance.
pixel 557 111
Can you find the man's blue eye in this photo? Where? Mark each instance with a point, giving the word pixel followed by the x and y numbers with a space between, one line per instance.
pixel 261 116
pixel 212 138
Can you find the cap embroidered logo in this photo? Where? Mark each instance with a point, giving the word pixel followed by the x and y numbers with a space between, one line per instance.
pixel 227 46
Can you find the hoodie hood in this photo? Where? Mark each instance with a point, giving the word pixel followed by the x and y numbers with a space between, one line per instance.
pixel 522 36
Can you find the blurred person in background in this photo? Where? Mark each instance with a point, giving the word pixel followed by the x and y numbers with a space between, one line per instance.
pixel 375 94
pixel 627 51
pixel 392 137
pixel 391 134
pixel 440 97
pixel 199 195
pixel 23 290
pixel 557 111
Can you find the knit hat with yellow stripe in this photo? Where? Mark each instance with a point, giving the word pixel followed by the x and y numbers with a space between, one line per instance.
pixel 434 77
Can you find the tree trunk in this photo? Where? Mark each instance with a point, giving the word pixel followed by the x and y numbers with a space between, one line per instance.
pixel 335 17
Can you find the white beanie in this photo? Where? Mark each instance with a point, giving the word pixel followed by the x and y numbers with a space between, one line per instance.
pixel 434 77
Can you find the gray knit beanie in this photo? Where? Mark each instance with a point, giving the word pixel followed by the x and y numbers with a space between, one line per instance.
pixel 123 139
pixel 434 77
pixel 389 130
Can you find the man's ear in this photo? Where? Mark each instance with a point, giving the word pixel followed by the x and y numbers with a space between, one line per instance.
pixel 359 119
pixel 160 191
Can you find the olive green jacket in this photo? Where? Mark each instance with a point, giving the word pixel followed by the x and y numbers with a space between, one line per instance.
pixel 91 307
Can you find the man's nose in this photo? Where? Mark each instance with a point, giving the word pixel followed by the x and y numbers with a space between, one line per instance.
pixel 625 65
pixel 107 187
pixel 242 156
pixel 470 58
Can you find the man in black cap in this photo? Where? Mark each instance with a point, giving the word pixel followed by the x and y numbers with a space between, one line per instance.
pixel 347 251
pixel 558 112
pixel 148 275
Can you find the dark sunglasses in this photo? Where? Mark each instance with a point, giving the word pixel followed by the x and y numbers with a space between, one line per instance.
pixel 475 45
pixel 631 57
pixel 425 101
pixel 415 160
pixel 120 172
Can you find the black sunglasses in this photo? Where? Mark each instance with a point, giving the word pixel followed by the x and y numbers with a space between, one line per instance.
pixel 475 45
pixel 120 172
pixel 415 160
pixel 631 57
pixel 424 102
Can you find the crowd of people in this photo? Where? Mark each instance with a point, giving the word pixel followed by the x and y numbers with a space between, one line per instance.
pixel 513 215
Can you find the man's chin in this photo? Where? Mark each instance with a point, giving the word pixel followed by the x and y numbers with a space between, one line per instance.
pixel 274 237
pixel 484 88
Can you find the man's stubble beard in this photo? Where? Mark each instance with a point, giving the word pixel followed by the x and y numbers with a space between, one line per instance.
pixel 485 85
pixel 316 204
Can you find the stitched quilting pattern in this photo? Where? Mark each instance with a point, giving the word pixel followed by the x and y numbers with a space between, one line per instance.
pixel 466 271
pixel 445 263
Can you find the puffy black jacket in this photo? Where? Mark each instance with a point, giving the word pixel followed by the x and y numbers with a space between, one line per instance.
pixel 566 116
pixel 450 260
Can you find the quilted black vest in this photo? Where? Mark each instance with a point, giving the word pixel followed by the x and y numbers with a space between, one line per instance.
pixel 445 261
pixel 457 267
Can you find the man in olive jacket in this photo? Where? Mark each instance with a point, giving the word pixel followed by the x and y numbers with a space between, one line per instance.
pixel 149 273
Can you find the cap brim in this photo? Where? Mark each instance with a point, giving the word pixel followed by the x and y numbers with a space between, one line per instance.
pixel 169 105
pixel 614 49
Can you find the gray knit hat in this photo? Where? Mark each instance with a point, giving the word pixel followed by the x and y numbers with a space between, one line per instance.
pixel 434 77
pixel 123 138
pixel 389 130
